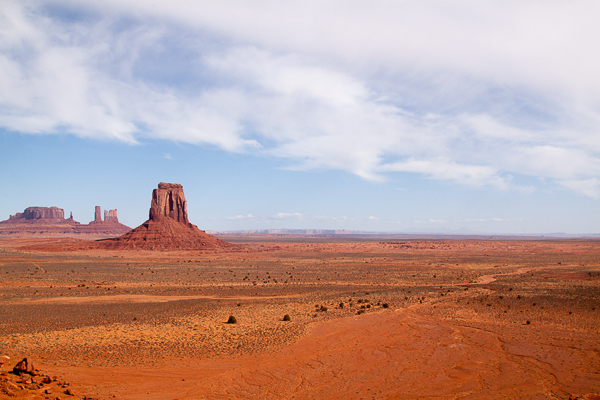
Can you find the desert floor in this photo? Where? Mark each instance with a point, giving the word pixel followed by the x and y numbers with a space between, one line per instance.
pixel 369 320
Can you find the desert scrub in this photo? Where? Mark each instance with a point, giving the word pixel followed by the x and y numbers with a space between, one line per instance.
pixel 286 317
pixel 232 320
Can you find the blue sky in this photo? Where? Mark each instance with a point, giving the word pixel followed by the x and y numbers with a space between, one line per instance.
pixel 395 116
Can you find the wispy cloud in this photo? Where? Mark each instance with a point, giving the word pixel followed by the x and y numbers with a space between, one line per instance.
pixel 287 216
pixel 242 217
pixel 471 93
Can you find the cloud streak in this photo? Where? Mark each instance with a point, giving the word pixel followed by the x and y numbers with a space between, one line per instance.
pixel 474 94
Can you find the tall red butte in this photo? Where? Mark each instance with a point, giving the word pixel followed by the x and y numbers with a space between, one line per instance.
pixel 168 227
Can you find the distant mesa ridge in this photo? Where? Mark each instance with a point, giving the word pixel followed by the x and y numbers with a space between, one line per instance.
pixel 51 221
pixel 167 227
pixel 37 213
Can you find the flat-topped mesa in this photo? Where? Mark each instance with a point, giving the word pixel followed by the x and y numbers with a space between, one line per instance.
pixel 168 201
pixel 31 213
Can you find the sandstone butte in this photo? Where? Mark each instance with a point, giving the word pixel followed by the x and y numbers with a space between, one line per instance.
pixel 51 221
pixel 167 228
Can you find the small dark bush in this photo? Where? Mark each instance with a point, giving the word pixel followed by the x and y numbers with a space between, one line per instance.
pixel 232 320
pixel 385 305
pixel 528 322
pixel 286 317
pixel 323 309
pixel 341 305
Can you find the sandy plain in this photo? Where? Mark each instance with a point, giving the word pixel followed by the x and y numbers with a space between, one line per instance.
pixel 370 319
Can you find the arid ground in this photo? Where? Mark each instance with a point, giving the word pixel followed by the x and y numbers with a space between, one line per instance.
pixel 369 319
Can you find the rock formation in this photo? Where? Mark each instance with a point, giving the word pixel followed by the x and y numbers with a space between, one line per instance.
pixel 168 201
pixel 168 227
pixel 25 366
pixel 39 213
pixel 38 221
pixel 51 221
pixel 112 216
pixel 110 224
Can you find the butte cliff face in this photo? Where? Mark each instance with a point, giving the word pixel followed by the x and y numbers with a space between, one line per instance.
pixel 168 227
pixel 168 201
pixel 39 214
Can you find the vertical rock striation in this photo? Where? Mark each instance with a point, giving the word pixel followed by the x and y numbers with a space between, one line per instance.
pixel 168 201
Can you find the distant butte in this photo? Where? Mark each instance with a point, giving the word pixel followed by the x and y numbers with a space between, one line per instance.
pixel 51 221
pixel 168 227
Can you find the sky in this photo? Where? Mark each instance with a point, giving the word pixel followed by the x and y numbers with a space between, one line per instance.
pixel 387 116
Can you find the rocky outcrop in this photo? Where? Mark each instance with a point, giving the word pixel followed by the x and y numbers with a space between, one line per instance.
pixel 168 227
pixel 37 213
pixel 112 216
pixel 168 201
pixel 25 366
pixel 36 221
pixel 109 226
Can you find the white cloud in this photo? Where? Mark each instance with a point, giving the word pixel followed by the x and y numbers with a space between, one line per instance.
pixel 472 93
pixel 287 216
pixel 242 217
pixel 589 187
